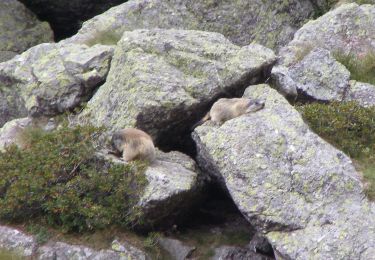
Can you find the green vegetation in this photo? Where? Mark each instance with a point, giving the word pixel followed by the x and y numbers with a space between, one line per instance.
pixel 349 127
pixel 40 233
pixel 56 177
pixel 362 68
pixel 5 255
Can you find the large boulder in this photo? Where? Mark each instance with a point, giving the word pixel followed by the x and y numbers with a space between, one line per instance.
pixel 173 180
pixel 20 29
pixel 271 23
pixel 303 193
pixel 49 79
pixel 307 67
pixel 363 93
pixel 161 81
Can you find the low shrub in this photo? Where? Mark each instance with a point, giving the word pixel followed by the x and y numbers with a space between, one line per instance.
pixel 349 127
pixel 56 176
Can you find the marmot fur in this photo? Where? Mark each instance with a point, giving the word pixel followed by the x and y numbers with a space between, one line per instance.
pixel 134 144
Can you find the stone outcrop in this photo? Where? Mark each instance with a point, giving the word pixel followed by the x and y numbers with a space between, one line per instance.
pixel 271 23
pixel 20 29
pixel 308 67
pixel 288 182
pixel 161 81
pixel 176 248
pixel 49 79
pixel 17 242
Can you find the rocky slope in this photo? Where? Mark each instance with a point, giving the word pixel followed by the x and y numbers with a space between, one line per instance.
pixel 159 65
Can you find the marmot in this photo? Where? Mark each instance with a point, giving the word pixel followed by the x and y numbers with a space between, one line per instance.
pixel 134 145
pixel 227 108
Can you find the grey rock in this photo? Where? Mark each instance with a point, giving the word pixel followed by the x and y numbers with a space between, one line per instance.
pixel 17 242
pixel 177 249
pixel 49 79
pixel 11 132
pixel 237 253
pixel 363 93
pixel 161 80
pixel 63 251
pixel 20 29
pixel 348 29
pixel 124 248
pixel 260 244
pixel 173 180
pixel 270 23
pixel 304 194
pixel 318 75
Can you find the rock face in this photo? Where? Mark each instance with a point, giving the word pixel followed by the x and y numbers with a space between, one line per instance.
pixel 161 81
pixel 289 183
pixel 49 79
pixel 307 67
pixel 363 93
pixel 20 29
pixel 15 241
pixel 271 23
pixel 173 180
pixel 63 251
pixel 318 75
pixel 237 253
pixel 176 248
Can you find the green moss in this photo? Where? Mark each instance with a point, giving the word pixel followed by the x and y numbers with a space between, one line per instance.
pixel 56 177
pixel 362 68
pixel 349 127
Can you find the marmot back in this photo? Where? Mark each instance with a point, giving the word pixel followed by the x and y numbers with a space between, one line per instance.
pixel 134 144
pixel 228 108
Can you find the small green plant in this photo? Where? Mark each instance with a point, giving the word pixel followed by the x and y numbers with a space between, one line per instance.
pixel 361 67
pixel 41 233
pixel 151 240
pixel 55 176
pixel 349 127
pixel 5 255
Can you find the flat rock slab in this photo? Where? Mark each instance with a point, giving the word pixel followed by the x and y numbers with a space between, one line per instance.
pixel 288 182
pixel 161 81
pixel 20 29
pixel 49 79
pixel 268 22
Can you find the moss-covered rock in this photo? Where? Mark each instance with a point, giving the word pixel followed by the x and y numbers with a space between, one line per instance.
pixel 20 29
pixel 288 182
pixel 49 79
pixel 161 80
pixel 271 23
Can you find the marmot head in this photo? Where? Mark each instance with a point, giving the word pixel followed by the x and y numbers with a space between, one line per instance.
pixel 254 105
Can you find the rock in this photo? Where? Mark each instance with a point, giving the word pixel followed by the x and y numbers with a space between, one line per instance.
pixel 49 79
pixel 124 248
pixel 17 242
pixel 304 194
pixel 260 244
pixel 348 29
pixel 307 67
pixel 66 16
pixel 173 180
pixel 237 253
pixel 318 75
pixel 63 251
pixel 177 249
pixel 20 29
pixel 363 93
pixel 267 22
pixel 10 132
pixel 161 81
